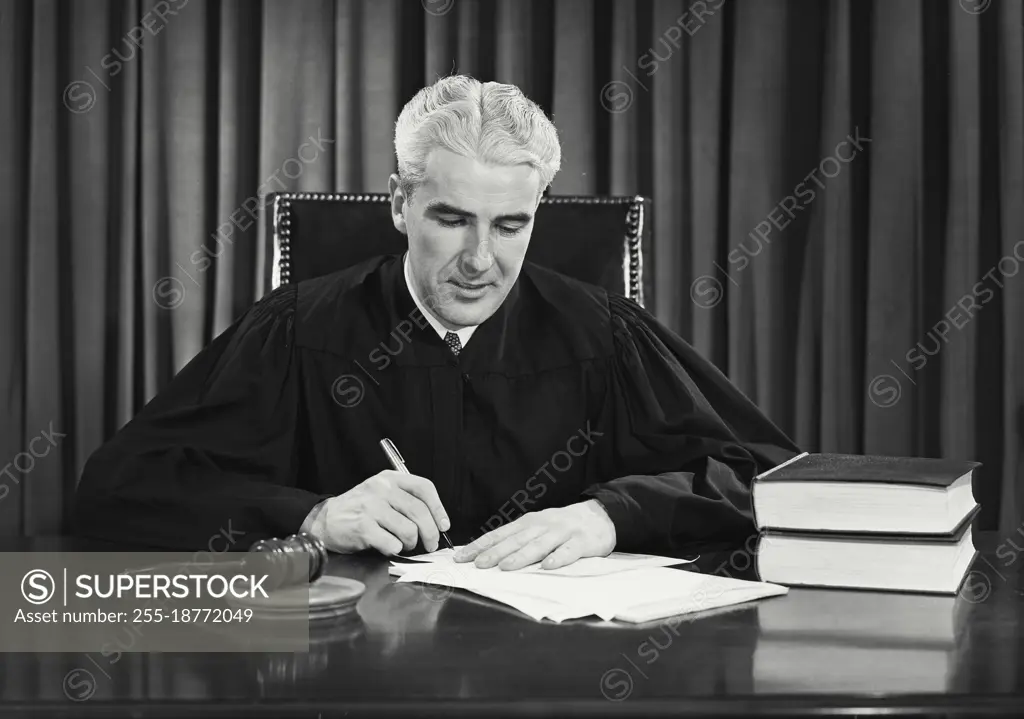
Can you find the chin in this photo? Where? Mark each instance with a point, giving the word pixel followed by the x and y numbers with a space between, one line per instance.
pixel 468 319
pixel 471 313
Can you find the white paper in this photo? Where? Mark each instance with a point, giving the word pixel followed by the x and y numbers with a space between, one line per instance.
pixel 587 567
pixel 607 590
pixel 461 576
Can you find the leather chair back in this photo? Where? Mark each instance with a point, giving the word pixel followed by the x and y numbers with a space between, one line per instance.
pixel 600 240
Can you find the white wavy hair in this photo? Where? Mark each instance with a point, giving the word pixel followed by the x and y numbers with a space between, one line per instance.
pixel 489 121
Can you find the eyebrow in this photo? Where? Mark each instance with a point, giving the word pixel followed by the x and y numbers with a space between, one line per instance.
pixel 443 208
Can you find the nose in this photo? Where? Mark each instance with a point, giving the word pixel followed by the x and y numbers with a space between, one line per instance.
pixel 480 257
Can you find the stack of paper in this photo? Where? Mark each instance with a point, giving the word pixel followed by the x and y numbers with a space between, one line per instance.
pixel 628 587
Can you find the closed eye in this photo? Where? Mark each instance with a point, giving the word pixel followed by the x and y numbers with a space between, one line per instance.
pixel 505 230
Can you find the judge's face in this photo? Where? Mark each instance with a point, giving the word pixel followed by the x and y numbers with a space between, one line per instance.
pixel 469 227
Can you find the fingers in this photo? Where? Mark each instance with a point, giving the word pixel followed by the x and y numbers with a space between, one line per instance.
pixel 416 498
pixel 424 490
pixel 564 555
pixel 399 526
pixel 510 545
pixel 470 551
pixel 384 512
pixel 418 516
pixel 533 550
pixel 380 539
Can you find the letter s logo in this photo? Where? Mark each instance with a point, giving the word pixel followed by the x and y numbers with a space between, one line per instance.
pixel 37 586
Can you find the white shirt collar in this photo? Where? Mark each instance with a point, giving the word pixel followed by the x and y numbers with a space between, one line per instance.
pixel 464 334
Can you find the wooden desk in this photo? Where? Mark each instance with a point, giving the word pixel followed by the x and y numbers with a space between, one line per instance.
pixel 419 651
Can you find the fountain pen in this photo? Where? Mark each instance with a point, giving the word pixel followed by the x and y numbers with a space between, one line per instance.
pixel 398 464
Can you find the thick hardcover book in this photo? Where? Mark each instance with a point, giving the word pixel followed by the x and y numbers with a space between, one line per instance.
pixel 924 471
pixel 865 493
pixel 927 563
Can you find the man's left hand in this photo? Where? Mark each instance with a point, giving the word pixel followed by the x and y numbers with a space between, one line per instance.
pixel 555 537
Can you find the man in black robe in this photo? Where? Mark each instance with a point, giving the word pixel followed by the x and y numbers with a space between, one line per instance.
pixel 539 416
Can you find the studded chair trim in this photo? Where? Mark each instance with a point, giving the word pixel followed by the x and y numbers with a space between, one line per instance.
pixel 632 249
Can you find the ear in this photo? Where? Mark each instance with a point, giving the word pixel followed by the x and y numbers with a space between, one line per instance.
pixel 398 203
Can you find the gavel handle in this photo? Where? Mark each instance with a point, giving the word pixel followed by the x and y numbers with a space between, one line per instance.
pixel 289 579
pixel 275 549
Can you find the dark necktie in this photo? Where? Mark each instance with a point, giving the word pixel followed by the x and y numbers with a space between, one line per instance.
pixel 454 343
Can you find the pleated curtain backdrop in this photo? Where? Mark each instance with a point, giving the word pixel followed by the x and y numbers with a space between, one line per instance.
pixel 838 189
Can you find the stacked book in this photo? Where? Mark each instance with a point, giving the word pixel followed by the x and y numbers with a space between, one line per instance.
pixel 866 522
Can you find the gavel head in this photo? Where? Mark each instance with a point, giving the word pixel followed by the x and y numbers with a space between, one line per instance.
pixel 296 559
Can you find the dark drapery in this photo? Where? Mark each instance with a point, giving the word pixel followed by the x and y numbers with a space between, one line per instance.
pixel 865 294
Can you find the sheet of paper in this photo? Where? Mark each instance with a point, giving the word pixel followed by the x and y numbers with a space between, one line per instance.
pixel 634 595
pixel 587 567
pixel 653 593
pixel 537 608
pixel 511 588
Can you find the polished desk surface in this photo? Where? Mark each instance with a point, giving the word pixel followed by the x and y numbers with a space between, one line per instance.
pixel 424 651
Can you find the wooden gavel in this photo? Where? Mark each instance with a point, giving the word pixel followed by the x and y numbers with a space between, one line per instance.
pixel 292 548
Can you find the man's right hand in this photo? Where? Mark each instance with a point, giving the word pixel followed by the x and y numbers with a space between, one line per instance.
pixel 389 512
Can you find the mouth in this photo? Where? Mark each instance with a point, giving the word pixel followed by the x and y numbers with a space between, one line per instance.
pixel 470 286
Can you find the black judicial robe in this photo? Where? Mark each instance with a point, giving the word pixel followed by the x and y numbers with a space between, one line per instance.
pixel 566 393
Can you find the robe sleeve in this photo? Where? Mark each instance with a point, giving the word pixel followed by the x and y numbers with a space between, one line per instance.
pixel 682 442
pixel 210 461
